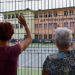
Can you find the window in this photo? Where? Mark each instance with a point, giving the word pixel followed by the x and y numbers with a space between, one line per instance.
pixel 55 25
pixel 25 36
pixel 65 13
pixel 65 24
pixel 45 26
pixel 36 26
pixel 9 16
pixel 71 12
pixel 45 36
pixel 40 36
pixel 36 36
pixel 21 26
pixel 72 24
pixel 50 25
pixel 36 15
pixel 45 15
pixel 16 15
pixel 40 15
pixel 17 25
pixel 5 16
pixel 40 26
pixel 50 36
pixel 50 14
pixel 13 16
pixel 55 14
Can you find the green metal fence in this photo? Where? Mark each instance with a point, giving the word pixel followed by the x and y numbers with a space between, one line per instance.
pixel 42 17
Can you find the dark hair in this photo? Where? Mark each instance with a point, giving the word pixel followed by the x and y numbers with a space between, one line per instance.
pixel 6 31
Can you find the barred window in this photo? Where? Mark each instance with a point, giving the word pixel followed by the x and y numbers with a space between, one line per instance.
pixel 65 24
pixel 13 15
pixel 55 14
pixel 36 26
pixel 9 16
pixel 40 26
pixel 16 15
pixel 45 15
pixel 5 16
pixel 17 25
pixel 40 36
pixel 50 14
pixel 36 36
pixel 36 15
pixel 40 15
pixel 45 36
pixel 49 25
pixel 45 26
pixel 71 12
pixel 65 13
pixel 50 36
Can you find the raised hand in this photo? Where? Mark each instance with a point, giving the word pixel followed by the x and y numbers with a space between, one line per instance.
pixel 22 20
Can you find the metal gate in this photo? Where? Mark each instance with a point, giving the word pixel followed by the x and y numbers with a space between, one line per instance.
pixel 42 17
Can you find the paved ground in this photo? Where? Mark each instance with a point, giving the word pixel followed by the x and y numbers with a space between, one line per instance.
pixel 31 61
pixel 35 56
pixel 29 71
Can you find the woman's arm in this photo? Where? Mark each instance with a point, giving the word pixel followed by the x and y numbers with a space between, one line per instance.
pixel 28 40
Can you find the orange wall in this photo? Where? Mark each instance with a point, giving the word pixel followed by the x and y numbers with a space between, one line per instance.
pixel 60 19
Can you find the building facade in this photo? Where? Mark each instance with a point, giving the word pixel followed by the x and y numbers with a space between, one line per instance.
pixel 19 30
pixel 46 21
pixel 42 23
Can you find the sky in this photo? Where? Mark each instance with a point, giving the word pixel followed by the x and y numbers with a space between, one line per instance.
pixel 10 5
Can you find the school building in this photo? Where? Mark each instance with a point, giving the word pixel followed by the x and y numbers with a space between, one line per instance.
pixel 19 30
pixel 46 21
pixel 42 23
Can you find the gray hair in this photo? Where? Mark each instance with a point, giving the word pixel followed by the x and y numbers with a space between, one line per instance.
pixel 63 36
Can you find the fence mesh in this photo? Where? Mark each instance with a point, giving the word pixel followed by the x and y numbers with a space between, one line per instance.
pixel 42 17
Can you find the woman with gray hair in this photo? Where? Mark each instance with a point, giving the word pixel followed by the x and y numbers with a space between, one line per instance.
pixel 63 62
pixel 63 38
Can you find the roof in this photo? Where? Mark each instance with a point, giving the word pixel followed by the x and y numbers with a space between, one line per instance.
pixel 18 10
pixel 27 9
pixel 55 8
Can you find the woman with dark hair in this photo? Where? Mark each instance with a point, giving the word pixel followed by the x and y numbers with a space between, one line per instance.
pixel 9 54
pixel 6 31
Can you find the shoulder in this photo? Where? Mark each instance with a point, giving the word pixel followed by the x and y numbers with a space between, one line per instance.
pixel 15 49
pixel 49 61
pixel 53 56
pixel 50 58
pixel 15 46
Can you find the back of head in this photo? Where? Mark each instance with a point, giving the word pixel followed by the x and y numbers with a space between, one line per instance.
pixel 63 37
pixel 6 31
